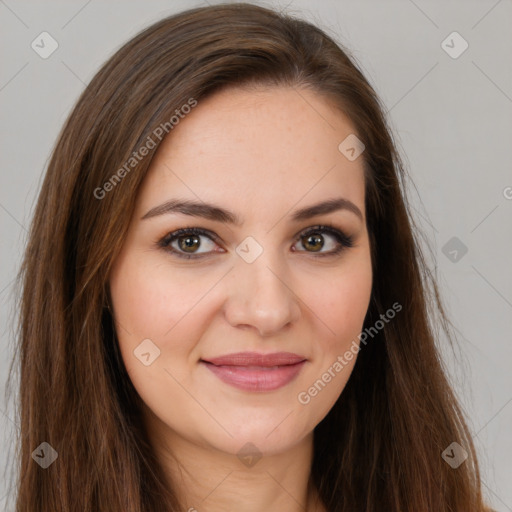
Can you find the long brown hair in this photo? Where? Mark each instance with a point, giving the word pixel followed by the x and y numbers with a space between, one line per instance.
pixel 379 448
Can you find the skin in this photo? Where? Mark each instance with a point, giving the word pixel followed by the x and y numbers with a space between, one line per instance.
pixel 262 154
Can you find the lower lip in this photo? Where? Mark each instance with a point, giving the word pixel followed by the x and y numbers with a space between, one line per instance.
pixel 256 379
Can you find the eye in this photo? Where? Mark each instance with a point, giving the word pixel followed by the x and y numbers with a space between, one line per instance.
pixel 314 240
pixel 186 242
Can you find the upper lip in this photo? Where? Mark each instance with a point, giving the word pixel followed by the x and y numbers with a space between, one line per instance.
pixel 256 359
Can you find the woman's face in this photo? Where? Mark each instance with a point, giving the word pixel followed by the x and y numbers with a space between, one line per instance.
pixel 266 284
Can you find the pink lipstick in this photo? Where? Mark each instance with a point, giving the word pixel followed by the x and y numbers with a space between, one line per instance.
pixel 251 371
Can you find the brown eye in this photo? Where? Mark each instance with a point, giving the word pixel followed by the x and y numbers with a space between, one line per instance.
pixel 313 242
pixel 324 240
pixel 189 243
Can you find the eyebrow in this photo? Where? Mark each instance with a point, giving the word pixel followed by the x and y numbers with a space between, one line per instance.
pixel 216 213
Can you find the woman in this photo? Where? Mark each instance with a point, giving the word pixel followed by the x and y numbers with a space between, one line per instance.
pixel 224 300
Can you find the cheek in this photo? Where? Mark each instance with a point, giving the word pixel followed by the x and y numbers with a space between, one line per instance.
pixel 341 306
pixel 342 303
pixel 150 299
pixel 151 302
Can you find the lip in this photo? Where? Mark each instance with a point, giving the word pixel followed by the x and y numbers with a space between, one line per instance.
pixel 251 371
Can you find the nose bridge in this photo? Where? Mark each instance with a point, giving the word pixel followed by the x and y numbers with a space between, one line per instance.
pixel 260 294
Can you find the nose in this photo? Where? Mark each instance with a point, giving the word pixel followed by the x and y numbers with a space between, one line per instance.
pixel 261 297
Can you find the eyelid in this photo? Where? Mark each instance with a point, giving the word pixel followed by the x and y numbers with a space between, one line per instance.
pixel 165 242
pixel 325 227
pixel 344 241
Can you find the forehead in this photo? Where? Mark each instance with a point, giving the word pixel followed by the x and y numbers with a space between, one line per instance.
pixel 254 148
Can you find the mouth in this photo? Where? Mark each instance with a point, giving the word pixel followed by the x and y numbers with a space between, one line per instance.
pixel 250 371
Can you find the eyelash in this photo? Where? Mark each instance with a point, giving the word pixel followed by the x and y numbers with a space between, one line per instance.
pixel 344 241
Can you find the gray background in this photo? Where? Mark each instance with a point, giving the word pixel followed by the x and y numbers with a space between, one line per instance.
pixel 452 119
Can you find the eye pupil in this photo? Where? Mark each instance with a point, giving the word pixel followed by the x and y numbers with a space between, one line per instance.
pixel 189 242
pixel 311 240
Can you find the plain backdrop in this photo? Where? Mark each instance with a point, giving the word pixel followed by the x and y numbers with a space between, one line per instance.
pixel 451 113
